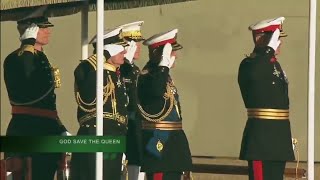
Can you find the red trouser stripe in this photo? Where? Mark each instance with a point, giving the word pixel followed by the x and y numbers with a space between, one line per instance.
pixel 257 170
pixel 157 176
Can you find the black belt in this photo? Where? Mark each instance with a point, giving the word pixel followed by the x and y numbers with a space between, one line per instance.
pixel 162 125
pixel 106 115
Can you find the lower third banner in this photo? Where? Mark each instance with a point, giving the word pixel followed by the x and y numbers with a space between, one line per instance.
pixel 62 143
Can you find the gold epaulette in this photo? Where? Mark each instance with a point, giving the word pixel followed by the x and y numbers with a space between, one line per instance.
pixel 93 61
pixel 28 48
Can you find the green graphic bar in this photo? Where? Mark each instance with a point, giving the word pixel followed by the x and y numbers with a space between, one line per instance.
pixel 62 143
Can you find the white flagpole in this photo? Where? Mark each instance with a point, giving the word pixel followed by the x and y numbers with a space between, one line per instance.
pixel 100 28
pixel 84 31
pixel 311 98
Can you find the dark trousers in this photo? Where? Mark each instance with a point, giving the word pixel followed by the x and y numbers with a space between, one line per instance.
pixel 134 150
pixel 266 170
pixel 45 165
pixel 83 166
pixel 164 176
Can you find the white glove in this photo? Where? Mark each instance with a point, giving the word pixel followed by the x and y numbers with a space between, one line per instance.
pixel 113 49
pixel 131 50
pixel 30 32
pixel 274 40
pixel 66 133
pixel 167 60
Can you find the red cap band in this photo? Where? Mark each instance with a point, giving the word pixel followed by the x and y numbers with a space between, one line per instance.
pixel 271 28
pixel 171 41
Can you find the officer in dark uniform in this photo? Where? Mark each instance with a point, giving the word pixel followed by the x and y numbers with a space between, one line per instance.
pixel 166 153
pixel 31 81
pixel 129 70
pixel 266 143
pixel 115 106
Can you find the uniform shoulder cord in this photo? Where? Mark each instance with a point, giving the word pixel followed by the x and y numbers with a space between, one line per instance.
pixel 157 117
pixel 296 149
pixel 56 76
pixel 108 90
pixel 113 96
pixel 125 169
pixel 55 72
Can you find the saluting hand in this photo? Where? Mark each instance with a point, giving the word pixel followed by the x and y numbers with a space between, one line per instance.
pixel 167 60
pixel 274 40
pixel 113 49
pixel 131 50
pixel 30 32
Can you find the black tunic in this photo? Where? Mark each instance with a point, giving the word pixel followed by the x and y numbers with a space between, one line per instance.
pixel 130 73
pixel 175 156
pixel 30 83
pixel 83 164
pixel 263 84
